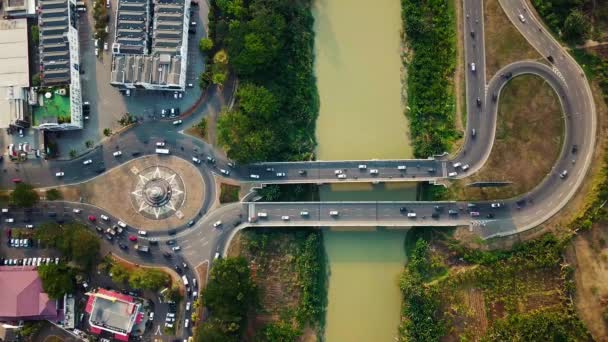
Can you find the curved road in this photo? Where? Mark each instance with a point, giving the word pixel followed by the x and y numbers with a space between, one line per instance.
pixel 202 241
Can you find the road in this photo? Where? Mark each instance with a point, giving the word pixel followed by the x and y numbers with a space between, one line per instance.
pixel 202 241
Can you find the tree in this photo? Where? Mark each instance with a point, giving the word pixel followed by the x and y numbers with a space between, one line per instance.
pixel 88 143
pixel 257 101
pixel 205 44
pixel 230 291
pixel 35 34
pixel 24 196
pixel 72 153
pixel 576 27
pixel 219 78
pixel 231 7
pixel 57 280
pixel 244 139
pixel 107 132
pixel 213 331
pixel 278 332
pixel 220 57
pixel 148 279
pixel 119 273
pixel 53 195
pixel 204 79
pixel 84 247
pixel 36 80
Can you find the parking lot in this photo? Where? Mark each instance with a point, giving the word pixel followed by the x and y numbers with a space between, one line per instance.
pixel 108 105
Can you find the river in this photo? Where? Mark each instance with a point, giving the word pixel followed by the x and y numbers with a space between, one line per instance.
pixel 358 71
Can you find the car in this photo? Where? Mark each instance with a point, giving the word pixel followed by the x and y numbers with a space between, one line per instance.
pixel 210 159
pixel 9 220
pixel 225 172
pixel 96 52
pixel 521 18
pixel 411 215
pixel 122 224
pixel 281 174
pixel 254 176
pixel 490 215
pixel 104 217
pixel 342 176
pixel 362 166
pixel 176 248
pixel 160 143
pixel 167 255
pixel 187 306
pixel 105 46
pixel 20 133
pixel 473 34
pixel 457 165
pixel 122 245
pixel 76 211
pixel 338 172
pixel 117 154
pixel 431 170
pixel 196 160
pixel 473 67
pixel 496 205
pixel 153 242
pixel 373 171
pixel 473 133
pixel 177 122
pixel 142 233
pixel 474 213
pixel 465 167
pixel 217 224
pixel 574 148
pixel 452 174
pixel 262 214
pixel 563 174
pixel 494 97
pixel 402 209
pixel 435 215
pixel 190 223
pixel 285 218
pixel 132 238
pixel 87 162
pixel 302 172
pixel 59 174
pixel 304 213
pixel 401 167
pixel 186 323
pixel 333 213
pixel 478 102
pixel 29 226
pixel 170 242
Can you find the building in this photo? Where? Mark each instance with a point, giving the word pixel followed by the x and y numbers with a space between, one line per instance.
pixel 153 60
pixel 14 73
pixel 59 65
pixel 23 298
pixel 113 312
pixel 19 8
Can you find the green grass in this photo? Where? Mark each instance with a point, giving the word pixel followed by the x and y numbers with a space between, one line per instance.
pixel 229 193
pixel 55 109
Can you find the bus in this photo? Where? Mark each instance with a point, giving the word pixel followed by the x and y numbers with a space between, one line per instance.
pixel 162 151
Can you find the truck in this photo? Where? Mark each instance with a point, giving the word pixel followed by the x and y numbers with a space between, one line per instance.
pixel 141 248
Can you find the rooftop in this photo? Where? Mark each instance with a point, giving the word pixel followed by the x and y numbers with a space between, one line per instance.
pixel 14 53
pixel 111 311
pixel 22 296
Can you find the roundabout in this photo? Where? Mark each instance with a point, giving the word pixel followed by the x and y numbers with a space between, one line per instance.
pixel 159 193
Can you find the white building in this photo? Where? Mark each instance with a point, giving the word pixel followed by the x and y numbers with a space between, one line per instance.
pixel 14 73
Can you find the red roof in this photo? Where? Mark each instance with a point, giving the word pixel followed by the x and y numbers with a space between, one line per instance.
pixel 121 337
pixel 22 295
pixel 117 295
pixel 94 330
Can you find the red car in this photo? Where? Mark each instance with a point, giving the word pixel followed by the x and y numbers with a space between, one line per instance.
pixel 92 218
pixel 16 180
pixel 132 238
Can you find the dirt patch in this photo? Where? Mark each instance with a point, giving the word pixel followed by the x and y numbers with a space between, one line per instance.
pixel 112 192
pixel 589 254
pixel 503 43
pixel 229 193
pixel 528 140
pixel 175 278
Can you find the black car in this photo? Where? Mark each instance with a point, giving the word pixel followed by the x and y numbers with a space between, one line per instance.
pixel 167 254
pixel 402 209
pixel 435 215
pixel 101 170
pixel 135 154
pixel 178 269
pixel 478 102
pixel 438 208
pixel 122 245
pixel 302 172
pixel 190 223
pixel 170 242
pixel 574 148
pixel 431 170
pixel 172 232
pixel 153 243
pixel 490 215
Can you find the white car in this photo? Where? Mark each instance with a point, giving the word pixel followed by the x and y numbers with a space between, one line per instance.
pixel 177 122
pixel 160 143
pixel 217 224
pixel 452 174
pixel 334 213
pixel 76 211
pixel 411 215
pixel 521 18
pixel 187 306
pixel 457 165
pixel 401 167
pixel 176 248
pixel 30 226
pixel 262 214
pixel 87 162
pixel 285 218
pixel 196 160
pixel 473 67
pixel 362 166
pixel 225 172
pixel 373 171
pixel 281 174
pixel 254 176
pixel 105 46
pixel 104 217
pixel 465 167
pixel 59 174
pixel 303 213
pixel 9 220
pixel 496 205
pixel 122 224
pixel 338 172
pixel 186 323
pixel 342 176
pixel 117 154
pixel 142 233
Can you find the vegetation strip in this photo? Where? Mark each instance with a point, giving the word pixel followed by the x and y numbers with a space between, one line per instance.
pixel 430 30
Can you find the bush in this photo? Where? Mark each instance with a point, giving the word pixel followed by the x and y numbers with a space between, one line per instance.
pixel 73 240
pixel 148 279
pixel 53 195
pixel 107 132
pixel 205 44
pixel 57 280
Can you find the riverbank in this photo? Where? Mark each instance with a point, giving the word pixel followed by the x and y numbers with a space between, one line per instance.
pixel 269 47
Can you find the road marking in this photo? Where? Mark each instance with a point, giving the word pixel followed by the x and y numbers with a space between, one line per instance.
pixel 158 331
